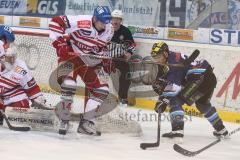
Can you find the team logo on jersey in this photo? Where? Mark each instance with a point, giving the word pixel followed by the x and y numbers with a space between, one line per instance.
pixel 20 70
pixel 84 24
pixel 85 32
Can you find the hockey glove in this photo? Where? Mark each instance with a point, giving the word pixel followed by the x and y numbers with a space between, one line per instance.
pixel 159 85
pixel 62 48
pixel 39 103
pixel 161 104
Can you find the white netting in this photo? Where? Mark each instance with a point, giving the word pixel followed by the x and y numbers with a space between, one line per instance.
pixel 40 56
pixel 116 122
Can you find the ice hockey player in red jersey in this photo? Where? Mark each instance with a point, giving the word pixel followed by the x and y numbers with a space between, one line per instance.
pixel 17 86
pixel 87 35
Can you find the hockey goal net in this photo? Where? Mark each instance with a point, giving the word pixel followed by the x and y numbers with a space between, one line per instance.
pixel 36 50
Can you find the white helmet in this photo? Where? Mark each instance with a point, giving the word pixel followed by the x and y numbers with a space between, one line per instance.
pixel 12 51
pixel 117 14
pixel 10 57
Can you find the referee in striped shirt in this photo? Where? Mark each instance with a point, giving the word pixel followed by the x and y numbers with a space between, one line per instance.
pixel 122 46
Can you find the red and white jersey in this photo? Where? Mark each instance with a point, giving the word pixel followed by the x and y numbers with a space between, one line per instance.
pixel 18 84
pixel 84 38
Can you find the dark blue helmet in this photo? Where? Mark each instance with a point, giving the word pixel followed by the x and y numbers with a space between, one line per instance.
pixel 6 33
pixel 102 14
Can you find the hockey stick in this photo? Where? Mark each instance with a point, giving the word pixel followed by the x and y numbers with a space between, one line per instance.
pixel 156 144
pixel 14 128
pixel 188 153
pixel 187 62
pixel 41 106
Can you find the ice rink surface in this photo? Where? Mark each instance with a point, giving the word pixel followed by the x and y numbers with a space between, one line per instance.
pixel 34 145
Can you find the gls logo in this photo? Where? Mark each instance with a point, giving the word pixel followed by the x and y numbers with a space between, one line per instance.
pixel 43 6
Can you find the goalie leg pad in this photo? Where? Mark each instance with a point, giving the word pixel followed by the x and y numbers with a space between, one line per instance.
pixel 37 119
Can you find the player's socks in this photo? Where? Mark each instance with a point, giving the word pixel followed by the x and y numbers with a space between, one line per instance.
pixel 123 103
pixel 217 123
pixel 177 127
pixel 62 110
pixel 64 126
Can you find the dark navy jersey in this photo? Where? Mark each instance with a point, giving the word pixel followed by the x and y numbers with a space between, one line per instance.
pixel 176 75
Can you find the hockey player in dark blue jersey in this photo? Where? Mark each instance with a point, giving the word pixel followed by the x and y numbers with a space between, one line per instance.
pixel 179 85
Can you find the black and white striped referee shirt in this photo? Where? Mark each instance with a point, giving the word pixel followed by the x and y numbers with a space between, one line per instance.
pixel 121 42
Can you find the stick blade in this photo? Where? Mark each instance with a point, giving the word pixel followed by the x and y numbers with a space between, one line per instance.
pixel 15 128
pixel 183 151
pixel 148 145
pixel 22 129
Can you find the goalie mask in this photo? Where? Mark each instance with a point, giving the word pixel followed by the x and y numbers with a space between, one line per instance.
pixel 10 57
pixel 160 52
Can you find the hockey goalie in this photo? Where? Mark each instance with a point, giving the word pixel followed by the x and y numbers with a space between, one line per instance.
pixel 86 35
pixel 17 86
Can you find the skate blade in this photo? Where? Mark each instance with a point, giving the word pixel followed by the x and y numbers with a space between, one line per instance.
pixel 97 133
